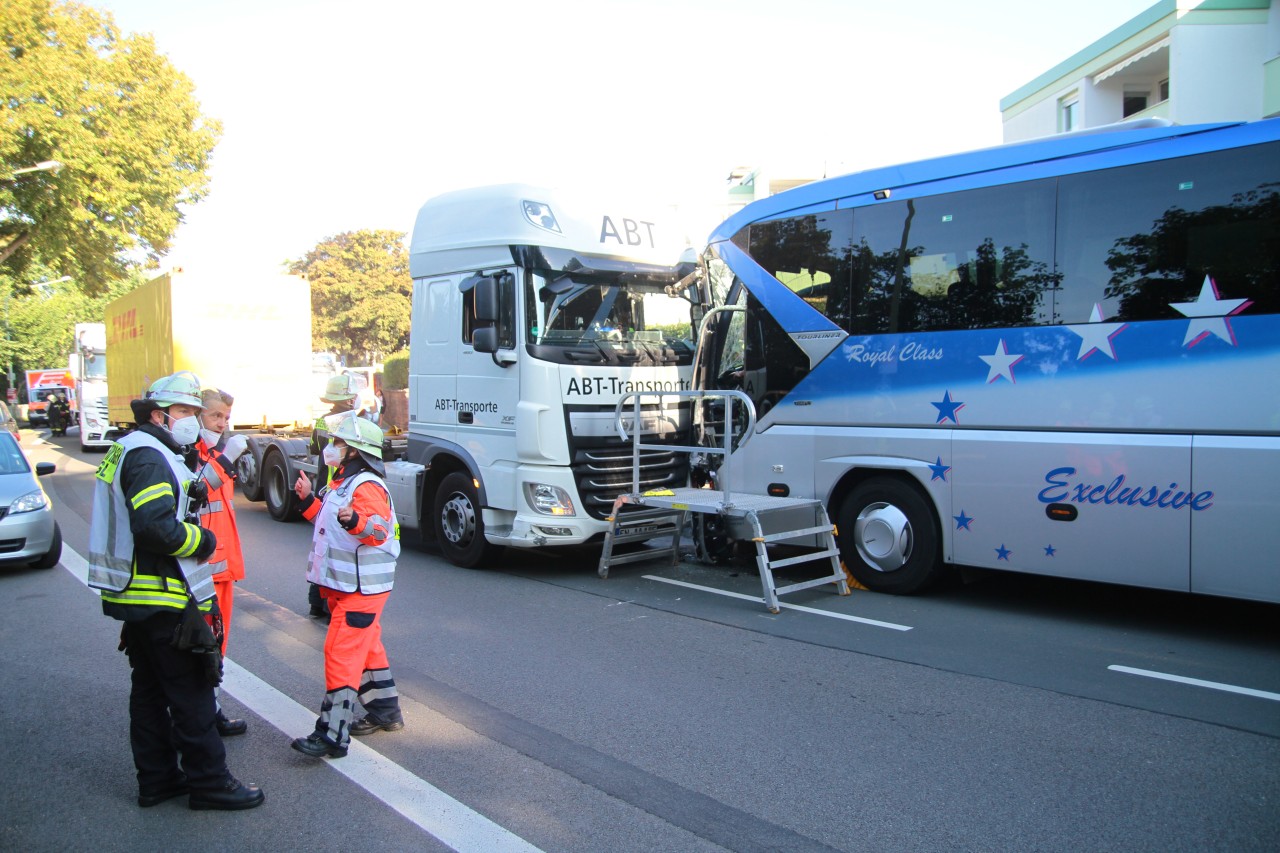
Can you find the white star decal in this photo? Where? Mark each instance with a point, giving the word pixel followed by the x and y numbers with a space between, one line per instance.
pixel 1001 363
pixel 1209 315
pixel 1097 336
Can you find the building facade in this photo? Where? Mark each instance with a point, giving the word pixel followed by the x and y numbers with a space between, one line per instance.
pixel 1188 61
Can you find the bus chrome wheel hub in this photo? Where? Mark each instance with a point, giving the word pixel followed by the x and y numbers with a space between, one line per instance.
pixel 882 535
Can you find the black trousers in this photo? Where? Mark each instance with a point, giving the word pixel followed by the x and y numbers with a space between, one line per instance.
pixel 171 710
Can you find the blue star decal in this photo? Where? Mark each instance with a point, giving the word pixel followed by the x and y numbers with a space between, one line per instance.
pixel 1002 553
pixel 939 470
pixel 1049 550
pixel 947 408
pixel 962 521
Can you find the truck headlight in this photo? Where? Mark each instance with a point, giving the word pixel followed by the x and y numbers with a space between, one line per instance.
pixel 30 502
pixel 548 499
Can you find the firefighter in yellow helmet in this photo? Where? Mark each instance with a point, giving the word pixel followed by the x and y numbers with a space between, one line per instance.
pixel 353 560
pixel 148 559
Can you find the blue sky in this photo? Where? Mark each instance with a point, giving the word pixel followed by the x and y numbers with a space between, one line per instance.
pixel 341 115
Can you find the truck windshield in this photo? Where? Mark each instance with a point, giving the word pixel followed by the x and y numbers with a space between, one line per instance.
pixel 617 319
pixel 95 367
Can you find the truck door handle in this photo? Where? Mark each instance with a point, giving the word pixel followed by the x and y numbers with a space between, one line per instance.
pixel 464 417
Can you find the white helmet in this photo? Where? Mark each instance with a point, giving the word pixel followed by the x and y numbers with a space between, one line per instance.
pixel 181 387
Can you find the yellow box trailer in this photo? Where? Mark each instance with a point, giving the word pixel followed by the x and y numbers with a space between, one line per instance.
pixel 250 336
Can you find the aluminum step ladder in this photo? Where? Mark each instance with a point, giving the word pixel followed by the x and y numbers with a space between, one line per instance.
pixel 769 520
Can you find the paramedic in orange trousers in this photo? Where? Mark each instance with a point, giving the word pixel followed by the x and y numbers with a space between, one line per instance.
pixel 353 559
pixel 217 460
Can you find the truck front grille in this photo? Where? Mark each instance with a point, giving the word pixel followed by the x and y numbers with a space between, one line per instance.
pixel 603 473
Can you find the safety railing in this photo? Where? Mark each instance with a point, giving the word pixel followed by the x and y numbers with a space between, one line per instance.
pixel 731 399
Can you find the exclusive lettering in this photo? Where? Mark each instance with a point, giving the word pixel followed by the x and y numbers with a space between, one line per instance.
pixel 1060 487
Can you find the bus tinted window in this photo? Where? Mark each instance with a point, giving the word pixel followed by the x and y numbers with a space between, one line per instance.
pixel 809 254
pixel 1138 238
pixel 970 260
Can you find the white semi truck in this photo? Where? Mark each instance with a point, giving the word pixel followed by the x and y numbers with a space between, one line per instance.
pixel 87 364
pixel 534 312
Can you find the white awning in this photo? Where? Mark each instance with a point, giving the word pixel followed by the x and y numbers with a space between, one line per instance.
pixel 1163 44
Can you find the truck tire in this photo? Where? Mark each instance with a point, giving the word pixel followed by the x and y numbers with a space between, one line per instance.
pixel 249 475
pixel 277 487
pixel 888 537
pixel 459 524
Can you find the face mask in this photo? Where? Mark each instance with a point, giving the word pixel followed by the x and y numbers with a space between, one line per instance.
pixel 332 456
pixel 210 437
pixel 184 430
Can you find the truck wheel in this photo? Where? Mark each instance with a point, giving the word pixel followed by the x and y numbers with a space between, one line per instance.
pixel 249 475
pixel 459 525
pixel 282 503
pixel 888 537
pixel 54 554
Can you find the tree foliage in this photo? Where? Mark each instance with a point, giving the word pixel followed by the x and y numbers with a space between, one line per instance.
pixel 39 322
pixel 360 293
pixel 123 122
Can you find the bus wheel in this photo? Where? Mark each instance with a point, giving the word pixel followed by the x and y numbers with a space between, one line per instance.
pixel 888 537
pixel 459 525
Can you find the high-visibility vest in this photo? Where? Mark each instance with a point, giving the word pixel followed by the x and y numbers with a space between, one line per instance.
pixel 218 516
pixel 341 561
pixel 112 567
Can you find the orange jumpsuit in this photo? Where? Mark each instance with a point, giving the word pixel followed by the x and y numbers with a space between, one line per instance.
pixel 219 516
pixel 355 662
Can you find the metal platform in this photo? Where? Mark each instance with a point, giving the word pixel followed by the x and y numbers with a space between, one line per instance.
pixel 767 519
pixel 770 520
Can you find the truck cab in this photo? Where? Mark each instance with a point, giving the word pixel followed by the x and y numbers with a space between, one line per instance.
pixel 534 312
pixel 87 364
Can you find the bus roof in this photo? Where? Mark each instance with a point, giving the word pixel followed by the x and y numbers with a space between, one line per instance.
pixel 1043 150
pixel 521 215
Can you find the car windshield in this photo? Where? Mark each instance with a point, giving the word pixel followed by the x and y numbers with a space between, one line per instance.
pixel 11 459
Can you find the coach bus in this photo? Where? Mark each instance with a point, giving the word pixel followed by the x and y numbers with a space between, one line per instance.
pixel 1059 357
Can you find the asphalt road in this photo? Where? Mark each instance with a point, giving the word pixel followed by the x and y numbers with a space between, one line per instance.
pixel 551 708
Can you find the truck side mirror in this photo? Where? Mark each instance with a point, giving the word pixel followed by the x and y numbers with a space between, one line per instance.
pixel 486 300
pixel 485 339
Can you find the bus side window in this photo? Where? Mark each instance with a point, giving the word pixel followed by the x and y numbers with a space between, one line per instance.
pixel 1139 238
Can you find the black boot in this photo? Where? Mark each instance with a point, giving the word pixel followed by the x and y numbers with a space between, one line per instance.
pixel 231 796
pixel 229 728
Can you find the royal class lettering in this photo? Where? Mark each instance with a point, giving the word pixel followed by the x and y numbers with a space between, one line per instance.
pixel 1062 487
pixel 600 386
pixel 632 233
pixel 444 404
pixel 862 354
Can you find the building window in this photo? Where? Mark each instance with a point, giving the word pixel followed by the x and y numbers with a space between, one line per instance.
pixel 1135 101
pixel 1069 113
pixel 1163 86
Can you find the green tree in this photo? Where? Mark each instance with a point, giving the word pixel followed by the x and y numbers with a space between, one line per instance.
pixel 39 321
pixel 123 122
pixel 361 293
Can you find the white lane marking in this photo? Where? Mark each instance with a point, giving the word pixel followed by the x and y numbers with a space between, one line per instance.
pixel 434 811
pixel 1196 682
pixel 801 608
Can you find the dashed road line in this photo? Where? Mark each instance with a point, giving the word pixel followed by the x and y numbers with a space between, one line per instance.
pixel 1196 682
pixel 759 599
